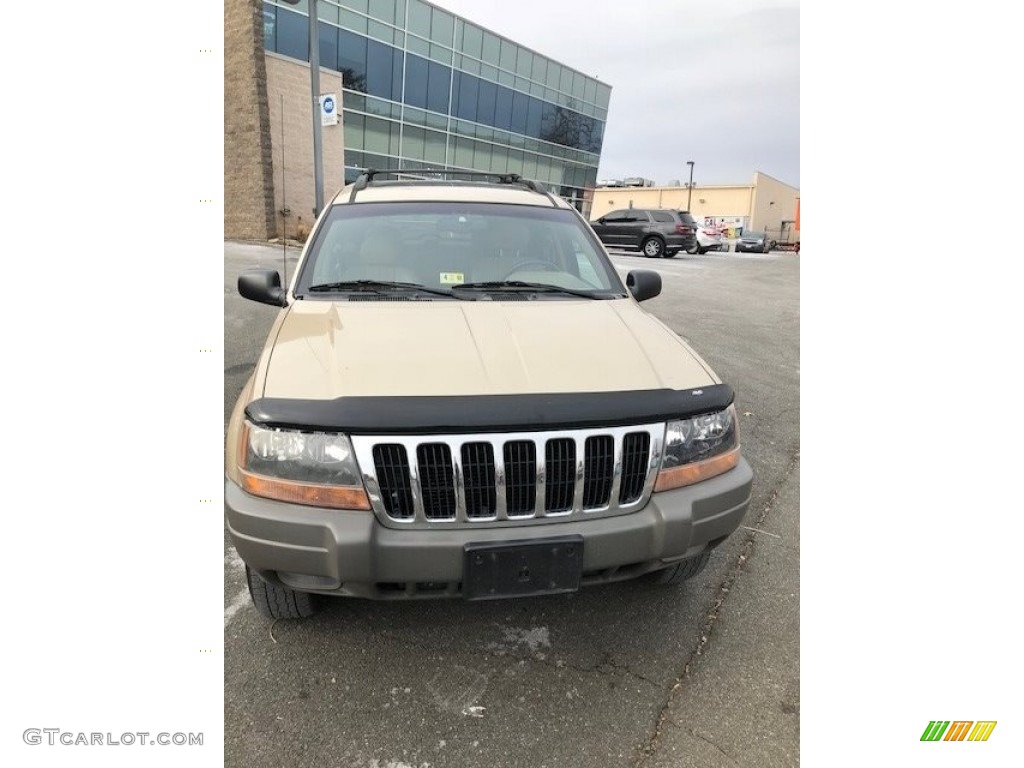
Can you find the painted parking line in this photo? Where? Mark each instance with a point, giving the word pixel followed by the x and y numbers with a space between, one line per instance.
pixel 234 563
pixel 237 603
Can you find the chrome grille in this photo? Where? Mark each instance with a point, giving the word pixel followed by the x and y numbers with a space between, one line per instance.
pixel 599 463
pixel 393 476
pixel 520 477
pixel 435 464
pixel 506 479
pixel 478 479
pixel 634 466
pixel 560 483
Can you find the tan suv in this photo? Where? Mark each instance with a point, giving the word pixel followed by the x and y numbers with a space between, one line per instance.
pixel 459 397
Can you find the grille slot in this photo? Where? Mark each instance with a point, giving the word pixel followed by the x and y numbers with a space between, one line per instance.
pixel 560 472
pixel 478 479
pixel 392 467
pixel 435 465
pixel 599 461
pixel 635 449
pixel 521 477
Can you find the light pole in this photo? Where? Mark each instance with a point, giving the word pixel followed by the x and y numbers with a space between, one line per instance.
pixel 314 86
pixel 689 196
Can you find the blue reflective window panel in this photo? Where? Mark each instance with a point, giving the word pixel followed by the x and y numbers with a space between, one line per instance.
pixel 416 69
pixel 379 69
pixel 534 117
pixel 438 82
pixel 520 107
pixel 352 60
pixel 548 121
pixel 568 130
pixel 469 88
pixel 269 27
pixel 396 75
pixel 503 109
pixel 456 85
pixel 485 102
pixel 328 46
pixel 292 34
pixel 597 137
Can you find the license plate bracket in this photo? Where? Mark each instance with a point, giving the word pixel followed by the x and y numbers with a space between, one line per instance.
pixel 494 570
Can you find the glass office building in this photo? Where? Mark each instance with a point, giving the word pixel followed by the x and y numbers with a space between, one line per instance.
pixel 426 88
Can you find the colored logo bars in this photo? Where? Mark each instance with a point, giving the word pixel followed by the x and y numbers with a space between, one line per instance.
pixel 958 730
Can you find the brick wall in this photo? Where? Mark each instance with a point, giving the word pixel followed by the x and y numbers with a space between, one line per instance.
pixel 249 212
pixel 292 142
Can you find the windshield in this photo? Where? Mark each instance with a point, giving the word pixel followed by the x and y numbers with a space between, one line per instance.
pixel 753 235
pixel 442 246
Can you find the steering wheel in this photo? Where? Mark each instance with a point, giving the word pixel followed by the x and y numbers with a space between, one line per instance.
pixel 546 266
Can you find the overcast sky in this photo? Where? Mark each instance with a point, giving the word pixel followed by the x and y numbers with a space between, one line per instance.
pixel 713 81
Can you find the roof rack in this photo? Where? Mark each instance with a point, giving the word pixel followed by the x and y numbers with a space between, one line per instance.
pixel 366 178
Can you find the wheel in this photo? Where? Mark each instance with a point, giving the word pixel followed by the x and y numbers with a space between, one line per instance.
pixel 276 602
pixel 683 570
pixel 694 249
pixel 775 244
pixel 670 254
pixel 652 247
pixel 701 250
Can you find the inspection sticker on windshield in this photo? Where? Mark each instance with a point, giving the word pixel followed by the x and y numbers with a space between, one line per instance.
pixel 452 278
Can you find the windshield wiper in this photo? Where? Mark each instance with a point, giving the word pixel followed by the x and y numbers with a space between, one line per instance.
pixel 521 285
pixel 375 286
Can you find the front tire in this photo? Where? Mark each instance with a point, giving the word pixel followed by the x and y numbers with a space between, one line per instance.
pixel 274 602
pixel 652 248
pixel 683 570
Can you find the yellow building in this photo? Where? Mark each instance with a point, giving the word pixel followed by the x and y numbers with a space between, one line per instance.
pixel 767 204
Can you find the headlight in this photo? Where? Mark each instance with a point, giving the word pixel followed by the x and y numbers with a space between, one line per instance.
pixel 315 468
pixel 699 448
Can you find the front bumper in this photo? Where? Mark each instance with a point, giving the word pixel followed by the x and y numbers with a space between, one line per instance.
pixel 348 553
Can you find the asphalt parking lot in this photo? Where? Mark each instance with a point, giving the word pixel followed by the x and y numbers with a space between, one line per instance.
pixel 705 674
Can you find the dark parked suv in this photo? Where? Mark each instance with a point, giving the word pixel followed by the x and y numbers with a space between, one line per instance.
pixel 654 231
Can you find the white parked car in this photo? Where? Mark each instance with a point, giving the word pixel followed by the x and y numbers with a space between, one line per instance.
pixel 709 238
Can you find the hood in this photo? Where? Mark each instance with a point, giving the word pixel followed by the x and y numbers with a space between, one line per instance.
pixel 326 350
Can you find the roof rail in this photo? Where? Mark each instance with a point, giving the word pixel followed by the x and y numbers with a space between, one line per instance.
pixel 366 178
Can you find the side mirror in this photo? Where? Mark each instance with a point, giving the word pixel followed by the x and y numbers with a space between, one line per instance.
pixel 264 286
pixel 643 284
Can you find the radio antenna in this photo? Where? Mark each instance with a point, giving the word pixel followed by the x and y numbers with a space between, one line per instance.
pixel 284 209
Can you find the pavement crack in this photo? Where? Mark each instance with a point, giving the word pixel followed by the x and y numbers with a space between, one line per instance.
pixel 648 749
pixel 729 757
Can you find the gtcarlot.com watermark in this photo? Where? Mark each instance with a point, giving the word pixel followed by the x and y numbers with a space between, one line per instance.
pixel 55 736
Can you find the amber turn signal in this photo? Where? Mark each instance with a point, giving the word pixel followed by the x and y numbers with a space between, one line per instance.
pixel 688 474
pixel 312 494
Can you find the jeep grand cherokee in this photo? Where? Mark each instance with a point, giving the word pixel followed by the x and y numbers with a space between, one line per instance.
pixel 460 398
